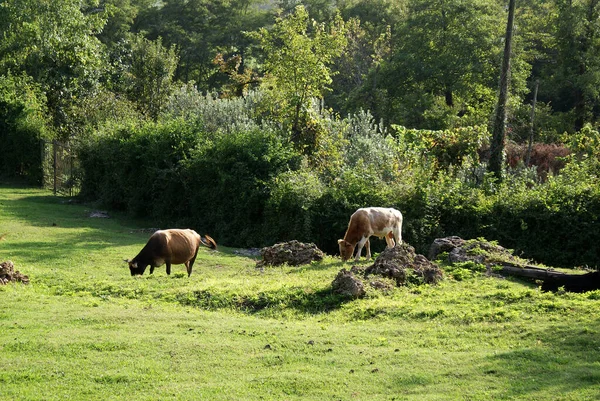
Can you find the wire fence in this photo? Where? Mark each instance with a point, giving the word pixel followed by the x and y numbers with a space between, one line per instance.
pixel 60 168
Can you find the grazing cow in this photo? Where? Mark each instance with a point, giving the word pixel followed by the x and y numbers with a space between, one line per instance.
pixel 172 246
pixel 365 222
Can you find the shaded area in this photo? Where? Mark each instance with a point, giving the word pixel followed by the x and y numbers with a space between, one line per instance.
pixel 568 356
pixel 316 302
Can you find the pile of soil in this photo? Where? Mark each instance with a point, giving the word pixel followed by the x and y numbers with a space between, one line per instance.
pixel 401 264
pixel 404 265
pixel 8 274
pixel 293 253
pixel 476 250
pixel 345 283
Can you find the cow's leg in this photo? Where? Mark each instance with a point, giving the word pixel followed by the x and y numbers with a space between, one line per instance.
pixel 189 264
pixel 359 245
pixel 168 268
pixel 368 245
pixel 389 239
pixel 398 235
pixel 151 269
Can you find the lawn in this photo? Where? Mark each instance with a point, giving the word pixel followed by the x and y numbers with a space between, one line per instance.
pixel 85 329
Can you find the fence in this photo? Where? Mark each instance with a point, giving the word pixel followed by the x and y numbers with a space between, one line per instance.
pixel 60 168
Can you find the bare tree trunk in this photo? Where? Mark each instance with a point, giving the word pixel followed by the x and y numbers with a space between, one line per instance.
pixel 530 146
pixel 498 133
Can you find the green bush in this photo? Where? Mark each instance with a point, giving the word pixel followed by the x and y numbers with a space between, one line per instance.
pixel 137 168
pixel 246 185
pixel 226 183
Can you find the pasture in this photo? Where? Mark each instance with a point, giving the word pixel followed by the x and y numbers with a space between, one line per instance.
pixel 85 329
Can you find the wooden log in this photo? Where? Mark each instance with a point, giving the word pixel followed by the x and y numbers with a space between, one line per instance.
pixel 554 280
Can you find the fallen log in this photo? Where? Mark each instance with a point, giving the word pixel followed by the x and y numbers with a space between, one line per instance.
pixel 552 279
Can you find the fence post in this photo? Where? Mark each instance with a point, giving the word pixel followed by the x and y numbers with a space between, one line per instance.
pixel 54 164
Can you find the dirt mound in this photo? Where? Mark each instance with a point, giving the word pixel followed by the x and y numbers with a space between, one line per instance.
pixel 293 253
pixel 345 283
pixel 402 264
pixel 9 274
pixel 475 250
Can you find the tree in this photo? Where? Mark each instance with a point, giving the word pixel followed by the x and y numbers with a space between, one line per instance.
pixel 150 75
pixel 444 56
pixel 574 77
pixel 201 29
pixel 298 53
pixel 53 42
pixel 498 131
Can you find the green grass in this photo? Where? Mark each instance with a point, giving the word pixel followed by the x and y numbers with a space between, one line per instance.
pixel 85 329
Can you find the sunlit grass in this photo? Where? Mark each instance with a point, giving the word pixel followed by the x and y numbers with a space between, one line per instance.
pixel 85 329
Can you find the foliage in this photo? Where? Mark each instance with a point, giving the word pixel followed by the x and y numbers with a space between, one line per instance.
pixel 217 115
pixel 446 147
pixel 226 183
pixel 149 75
pixel 54 43
pixel 298 51
pixel 23 123
pixel 445 50
pixel 141 168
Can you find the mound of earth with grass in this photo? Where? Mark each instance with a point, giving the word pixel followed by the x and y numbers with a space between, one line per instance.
pixel 400 264
pixel 8 274
pixel 292 253
pixel 347 284
pixel 474 250
pixel 404 265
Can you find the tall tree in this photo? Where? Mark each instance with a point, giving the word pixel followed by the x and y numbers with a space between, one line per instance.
pixel 499 127
pixel 150 75
pixel 201 29
pixel 299 52
pixel 574 78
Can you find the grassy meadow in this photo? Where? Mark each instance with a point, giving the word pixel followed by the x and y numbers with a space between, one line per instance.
pixel 85 329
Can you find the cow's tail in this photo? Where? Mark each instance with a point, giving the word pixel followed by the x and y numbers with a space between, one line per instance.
pixel 208 241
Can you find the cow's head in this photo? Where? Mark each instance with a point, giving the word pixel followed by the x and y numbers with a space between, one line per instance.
pixel 346 249
pixel 135 268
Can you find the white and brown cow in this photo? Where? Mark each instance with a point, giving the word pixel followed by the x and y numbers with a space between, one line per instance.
pixel 169 247
pixel 365 222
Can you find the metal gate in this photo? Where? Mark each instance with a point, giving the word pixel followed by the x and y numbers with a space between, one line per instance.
pixel 60 168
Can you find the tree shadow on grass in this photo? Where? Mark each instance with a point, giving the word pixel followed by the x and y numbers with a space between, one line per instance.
pixel 317 302
pixel 63 231
pixel 566 360
pixel 52 211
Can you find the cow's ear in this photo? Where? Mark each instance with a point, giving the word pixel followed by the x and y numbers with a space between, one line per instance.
pixel 340 241
pixel 126 260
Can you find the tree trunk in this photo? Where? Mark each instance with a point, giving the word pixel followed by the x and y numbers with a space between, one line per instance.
pixel 530 146
pixel 498 133
pixel 449 98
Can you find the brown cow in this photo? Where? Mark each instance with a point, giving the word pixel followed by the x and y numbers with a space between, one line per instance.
pixel 172 246
pixel 365 222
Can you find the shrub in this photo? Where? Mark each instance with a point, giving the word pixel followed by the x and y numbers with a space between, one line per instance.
pixel 226 182
pixel 446 147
